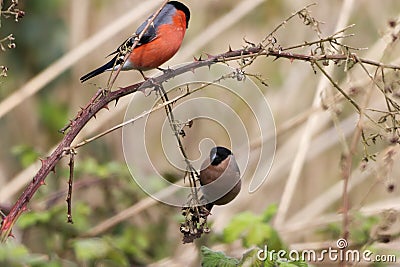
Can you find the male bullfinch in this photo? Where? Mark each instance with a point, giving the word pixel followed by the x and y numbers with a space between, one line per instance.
pixel 158 44
pixel 219 177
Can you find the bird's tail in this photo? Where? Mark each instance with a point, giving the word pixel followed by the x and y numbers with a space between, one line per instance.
pixel 109 65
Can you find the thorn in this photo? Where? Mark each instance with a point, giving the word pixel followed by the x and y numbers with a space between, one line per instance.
pixel 94 116
pixel 230 49
pixel 116 101
pixel 53 170
pixel 106 107
pixel 42 183
pixel 200 59
pixel 209 56
pixel 143 90
pixel 195 59
pixel 168 70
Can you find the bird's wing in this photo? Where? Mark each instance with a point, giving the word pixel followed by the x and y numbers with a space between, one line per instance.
pixel 146 38
pixel 164 17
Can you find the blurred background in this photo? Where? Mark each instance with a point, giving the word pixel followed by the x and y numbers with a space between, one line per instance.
pixel 115 222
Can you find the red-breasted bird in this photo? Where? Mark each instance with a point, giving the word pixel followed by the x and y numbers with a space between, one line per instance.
pixel 159 43
pixel 219 177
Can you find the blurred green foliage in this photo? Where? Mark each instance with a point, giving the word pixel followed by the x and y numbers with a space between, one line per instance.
pixel 53 116
pixel 25 154
pixel 64 244
pixel 360 229
pixel 41 37
pixel 12 254
pixel 255 232
pixel 253 229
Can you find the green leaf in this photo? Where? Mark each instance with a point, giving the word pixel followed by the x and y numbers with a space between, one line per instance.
pixel 92 167
pixel 11 250
pixel 253 230
pixel 287 264
pixel 13 254
pixel 269 212
pixel 53 113
pixel 25 154
pixel 80 213
pixel 361 227
pixel 250 258
pixel 212 258
pixel 238 225
pixel 33 218
pixel 90 248
pixel 257 234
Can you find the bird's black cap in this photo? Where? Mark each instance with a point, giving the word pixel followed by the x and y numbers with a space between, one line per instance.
pixel 219 154
pixel 182 7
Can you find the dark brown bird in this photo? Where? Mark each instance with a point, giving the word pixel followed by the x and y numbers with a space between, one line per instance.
pixel 219 177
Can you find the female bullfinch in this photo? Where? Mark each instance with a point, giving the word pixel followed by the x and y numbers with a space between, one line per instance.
pixel 158 44
pixel 219 177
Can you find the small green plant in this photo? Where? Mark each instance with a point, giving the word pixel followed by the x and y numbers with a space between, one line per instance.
pixel 256 233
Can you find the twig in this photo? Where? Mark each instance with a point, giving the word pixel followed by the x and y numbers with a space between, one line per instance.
pixel 286 20
pixel 195 215
pixel 352 102
pixel 347 162
pixel 311 126
pixel 270 37
pixel 70 182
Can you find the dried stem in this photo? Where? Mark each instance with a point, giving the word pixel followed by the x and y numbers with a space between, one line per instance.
pixel 347 163
pixel 71 165
pixel 195 215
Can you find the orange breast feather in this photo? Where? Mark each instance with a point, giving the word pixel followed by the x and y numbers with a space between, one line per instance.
pixel 163 47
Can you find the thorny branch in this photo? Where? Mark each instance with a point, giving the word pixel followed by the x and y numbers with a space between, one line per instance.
pixel 323 51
